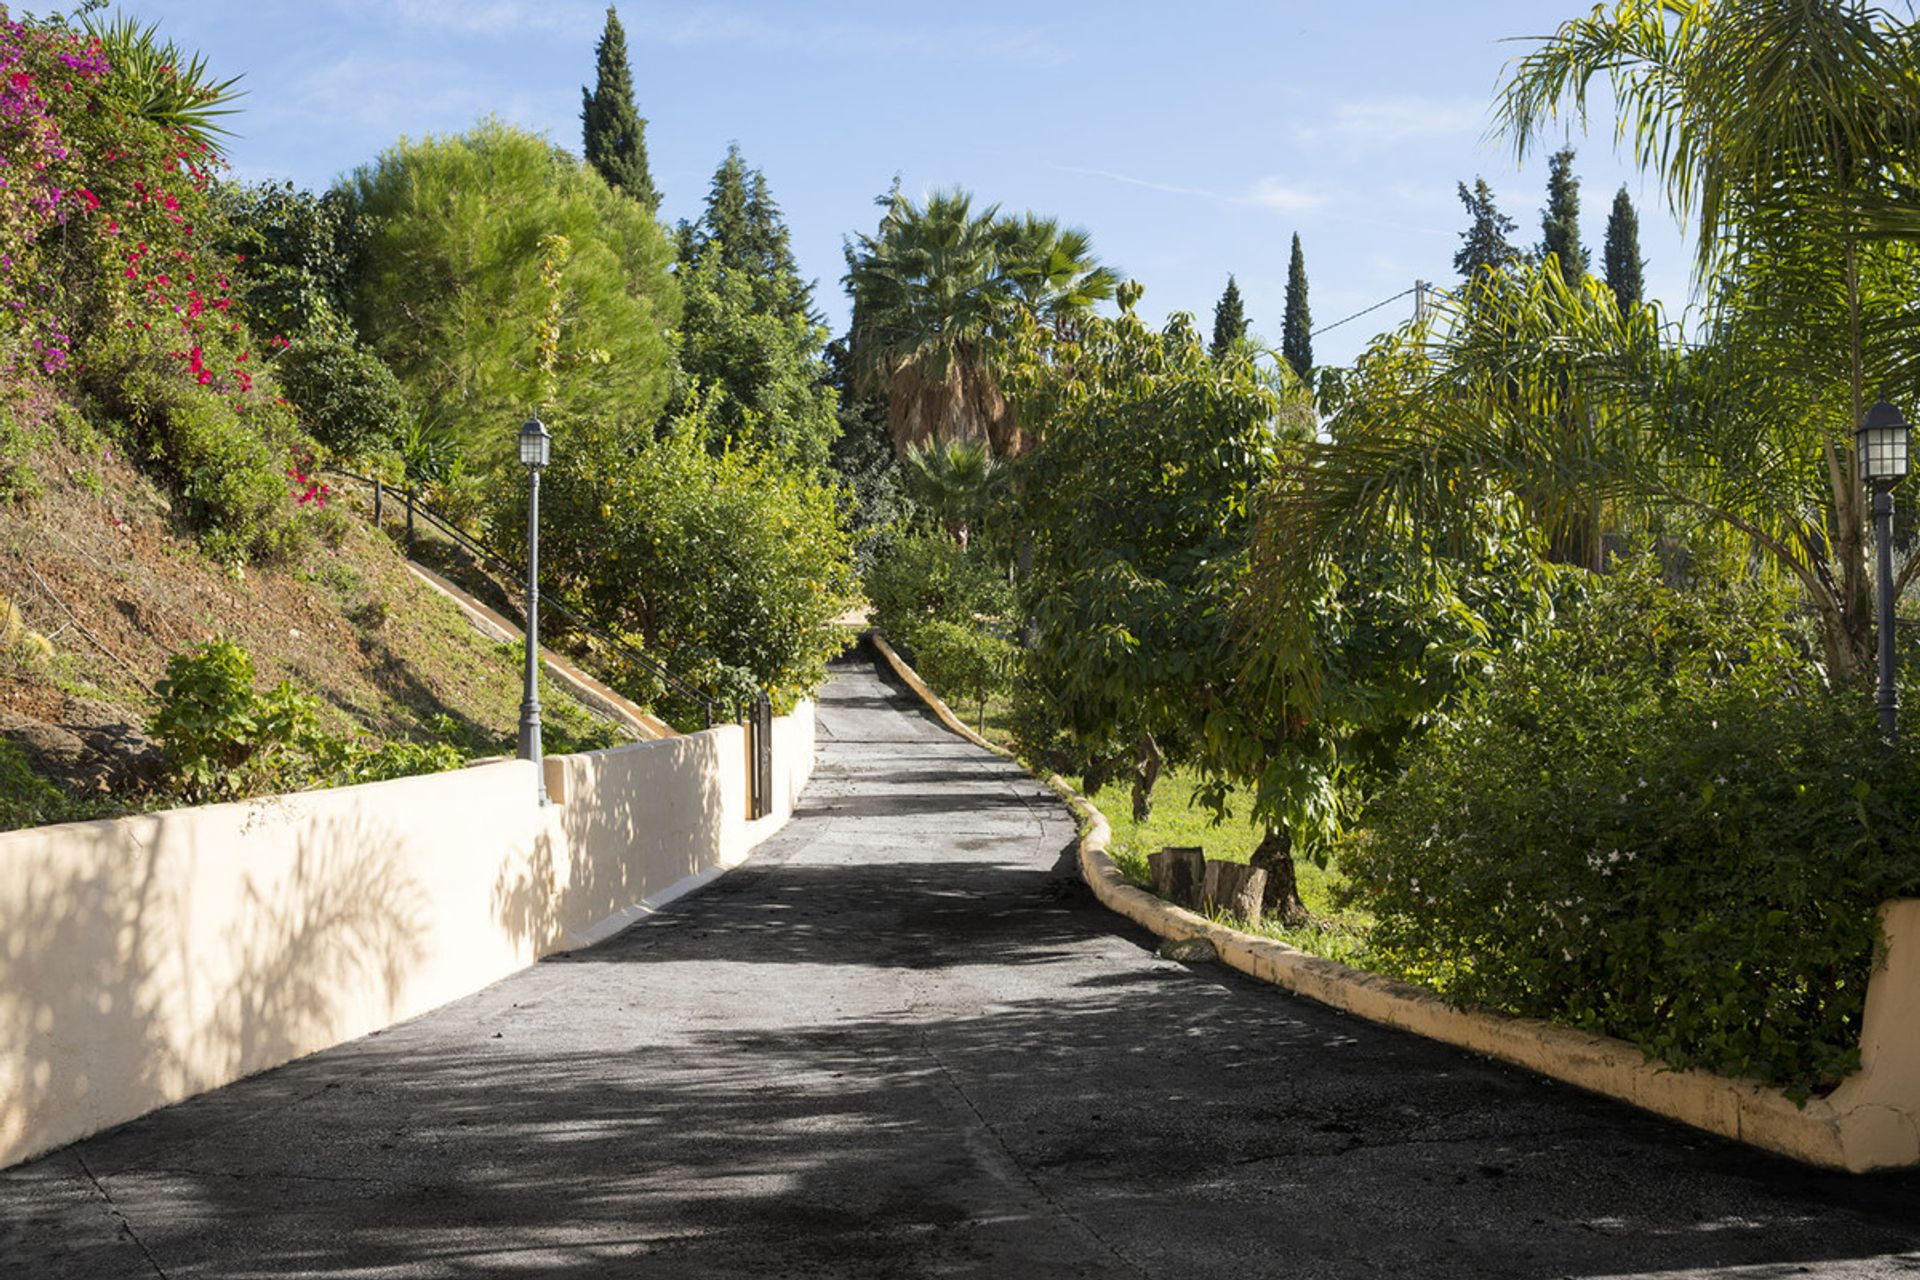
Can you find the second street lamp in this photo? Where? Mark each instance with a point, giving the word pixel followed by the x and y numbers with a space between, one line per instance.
pixel 536 442
pixel 1882 445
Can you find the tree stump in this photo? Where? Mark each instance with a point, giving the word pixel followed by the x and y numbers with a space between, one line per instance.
pixel 1177 872
pixel 1235 888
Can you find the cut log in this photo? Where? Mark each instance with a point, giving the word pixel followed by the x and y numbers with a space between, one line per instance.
pixel 1177 872
pixel 1235 889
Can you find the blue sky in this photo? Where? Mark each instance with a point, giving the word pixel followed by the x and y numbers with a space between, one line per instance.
pixel 1191 139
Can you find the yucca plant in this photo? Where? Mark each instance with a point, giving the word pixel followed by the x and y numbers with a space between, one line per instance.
pixel 164 83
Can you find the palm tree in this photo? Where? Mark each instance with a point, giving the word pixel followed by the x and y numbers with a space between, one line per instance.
pixel 956 482
pixel 926 292
pixel 1052 271
pixel 935 292
pixel 1788 131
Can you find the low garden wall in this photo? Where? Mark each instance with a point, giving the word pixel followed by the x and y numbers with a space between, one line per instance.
pixel 147 959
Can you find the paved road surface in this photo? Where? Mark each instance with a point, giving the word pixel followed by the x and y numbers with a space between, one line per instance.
pixel 904 1041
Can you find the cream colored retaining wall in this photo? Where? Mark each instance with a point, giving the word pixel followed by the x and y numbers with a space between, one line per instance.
pixel 147 959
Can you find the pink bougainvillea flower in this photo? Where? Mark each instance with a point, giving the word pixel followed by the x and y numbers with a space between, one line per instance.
pixel 87 197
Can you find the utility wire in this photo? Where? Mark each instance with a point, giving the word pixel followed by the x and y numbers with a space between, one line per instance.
pixel 1356 315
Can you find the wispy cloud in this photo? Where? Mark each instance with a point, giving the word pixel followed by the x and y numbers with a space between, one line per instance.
pixel 402 94
pixel 1271 193
pixel 793 29
pixel 478 17
pixel 1383 121
pixel 1023 46
pixel 1265 193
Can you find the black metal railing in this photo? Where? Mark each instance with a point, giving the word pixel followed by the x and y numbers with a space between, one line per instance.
pixel 467 542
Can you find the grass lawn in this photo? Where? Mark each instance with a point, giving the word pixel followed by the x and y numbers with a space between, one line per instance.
pixel 1339 934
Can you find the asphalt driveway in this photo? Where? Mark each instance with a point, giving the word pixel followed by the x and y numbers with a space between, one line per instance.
pixel 905 1041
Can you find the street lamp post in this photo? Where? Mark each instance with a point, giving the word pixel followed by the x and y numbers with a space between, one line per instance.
pixel 1882 446
pixel 536 442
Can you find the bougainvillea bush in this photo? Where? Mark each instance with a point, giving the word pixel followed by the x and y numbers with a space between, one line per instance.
pixel 110 283
pixel 1661 823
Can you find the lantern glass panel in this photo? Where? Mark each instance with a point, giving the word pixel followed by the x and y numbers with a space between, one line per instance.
pixel 534 444
pixel 1883 445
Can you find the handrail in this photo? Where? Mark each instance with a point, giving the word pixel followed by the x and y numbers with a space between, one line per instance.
pixel 474 547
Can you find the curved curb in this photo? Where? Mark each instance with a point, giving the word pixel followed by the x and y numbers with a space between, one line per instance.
pixel 1855 1139
pixel 934 702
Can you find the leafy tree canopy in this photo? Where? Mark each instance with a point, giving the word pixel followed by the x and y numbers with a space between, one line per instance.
pixel 460 289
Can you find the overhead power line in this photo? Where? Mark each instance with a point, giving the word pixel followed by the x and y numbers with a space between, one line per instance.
pixel 1363 311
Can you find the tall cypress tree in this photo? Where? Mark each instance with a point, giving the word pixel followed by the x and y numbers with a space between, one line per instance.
pixel 1229 320
pixel 1296 335
pixel 1560 220
pixel 1484 244
pixel 1623 262
pixel 615 137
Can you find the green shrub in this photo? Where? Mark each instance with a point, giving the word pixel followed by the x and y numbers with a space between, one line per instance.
pixel 226 741
pixel 19 482
pixel 345 762
pixel 730 568
pixel 347 398
pixel 29 800
pixel 930 577
pixel 1660 823
pixel 967 660
pixel 227 468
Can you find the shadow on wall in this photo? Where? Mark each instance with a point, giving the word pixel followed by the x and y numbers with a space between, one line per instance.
pixel 635 821
pixel 103 964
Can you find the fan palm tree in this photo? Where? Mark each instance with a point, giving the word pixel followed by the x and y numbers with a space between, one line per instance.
pixel 1788 132
pixel 1052 270
pixel 926 292
pixel 956 482
pixel 935 292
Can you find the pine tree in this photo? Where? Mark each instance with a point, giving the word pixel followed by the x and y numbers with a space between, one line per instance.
pixel 1296 334
pixel 749 342
pixel 1623 262
pixel 1229 320
pixel 615 137
pixel 1484 244
pixel 743 219
pixel 772 248
pixel 725 217
pixel 1560 220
